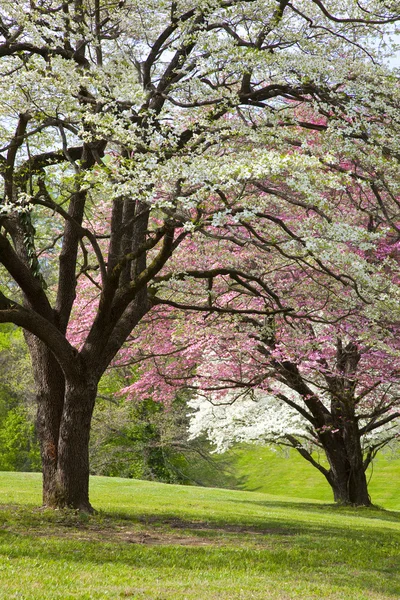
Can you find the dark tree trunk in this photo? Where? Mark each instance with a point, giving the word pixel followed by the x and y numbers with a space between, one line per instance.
pixel 346 474
pixel 72 477
pixel 342 443
pixel 50 390
pixel 64 413
pixel 336 427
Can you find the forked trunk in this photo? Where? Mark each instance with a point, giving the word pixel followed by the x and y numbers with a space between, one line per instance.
pixel 64 412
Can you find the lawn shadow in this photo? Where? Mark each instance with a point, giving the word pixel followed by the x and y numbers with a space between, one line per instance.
pixel 357 559
pixel 261 553
pixel 362 512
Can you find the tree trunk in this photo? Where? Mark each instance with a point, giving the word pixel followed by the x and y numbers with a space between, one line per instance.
pixel 346 475
pixel 72 475
pixel 342 442
pixel 50 390
pixel 64 412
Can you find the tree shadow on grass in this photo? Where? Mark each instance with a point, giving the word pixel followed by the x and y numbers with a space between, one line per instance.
pixel 357 557
pixel 313 559
pixel 360 559
pixel 372 512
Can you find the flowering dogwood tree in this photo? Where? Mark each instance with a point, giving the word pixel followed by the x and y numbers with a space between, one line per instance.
pixel 322 372
pixel 297 341
pixel 124 129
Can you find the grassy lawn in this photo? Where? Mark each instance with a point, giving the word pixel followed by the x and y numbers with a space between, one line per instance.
pixel 160 541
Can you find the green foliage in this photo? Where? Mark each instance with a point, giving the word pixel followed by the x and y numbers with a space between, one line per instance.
pixel 19 449
pixel 147 440
pixel 127 441
pixel 16 379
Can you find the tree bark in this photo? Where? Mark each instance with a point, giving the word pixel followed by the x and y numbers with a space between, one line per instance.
pixel 50 389
pixel 72 476
pixel 343 443
pixel 64 412
pixel 346 474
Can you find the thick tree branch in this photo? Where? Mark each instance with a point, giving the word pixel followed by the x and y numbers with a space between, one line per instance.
pixel 376 424
pixel 30 285
pixel 12 312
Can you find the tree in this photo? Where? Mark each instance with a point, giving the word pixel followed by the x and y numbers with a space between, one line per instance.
pixel 305 323
pixel 333 406
pixel 323 374
pixel 118 124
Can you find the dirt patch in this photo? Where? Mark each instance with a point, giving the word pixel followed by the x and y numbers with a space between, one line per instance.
pixel 123 535
pixel 218 528
pixel 149 530
pixel 166 539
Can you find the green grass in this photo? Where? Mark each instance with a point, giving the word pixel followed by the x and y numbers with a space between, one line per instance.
pixel 164 542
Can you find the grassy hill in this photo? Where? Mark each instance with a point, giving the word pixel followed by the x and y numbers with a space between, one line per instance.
pixel 164 542
pixel 282 472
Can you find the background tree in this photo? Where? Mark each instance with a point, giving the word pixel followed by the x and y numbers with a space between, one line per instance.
pixel 326 360
pixel 328 355
pixel 146 439
pixel 118 123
